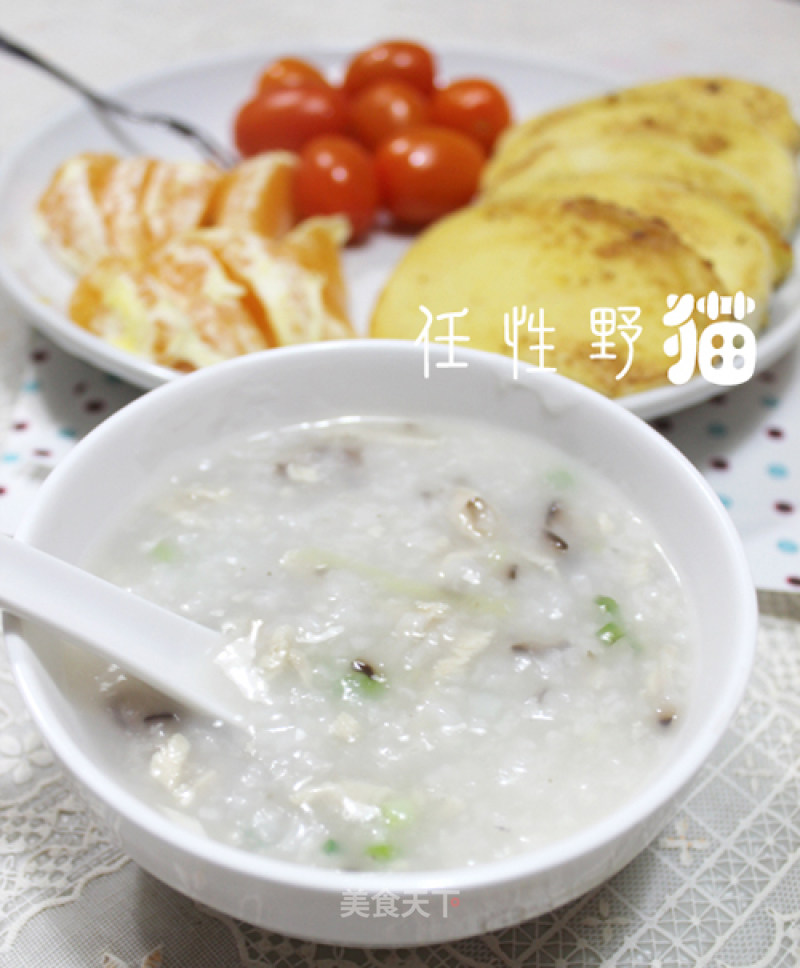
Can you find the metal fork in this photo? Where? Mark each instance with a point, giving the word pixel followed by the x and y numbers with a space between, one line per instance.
pixel 204 143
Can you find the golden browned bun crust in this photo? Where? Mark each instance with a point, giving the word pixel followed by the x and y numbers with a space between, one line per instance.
pixel 643 154
pixel 722 132
pixel 731 244
pixel 566 257
pixel 760 105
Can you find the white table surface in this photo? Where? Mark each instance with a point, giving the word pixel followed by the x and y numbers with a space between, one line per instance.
pixel 747 446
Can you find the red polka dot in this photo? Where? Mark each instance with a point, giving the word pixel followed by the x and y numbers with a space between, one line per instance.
pixel 775 432
pixel 21 425
pixel 784 507
pixel 793 580
pixel 40 356
pixel 719 463
pixel 95 406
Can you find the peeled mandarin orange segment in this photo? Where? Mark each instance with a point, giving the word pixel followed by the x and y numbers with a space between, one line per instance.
pixel 282 297
pixel 98 205
pixel 316 244
pixel 187 266
pixel 178 306
pixel 216 321
pixel 223 241
pixel 256 196
pixel 107 301
pixel 177 197
pixel 121 204
pixel 290 295
pixel 68 211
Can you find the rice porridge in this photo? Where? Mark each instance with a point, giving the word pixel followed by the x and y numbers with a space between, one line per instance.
pixel 458 644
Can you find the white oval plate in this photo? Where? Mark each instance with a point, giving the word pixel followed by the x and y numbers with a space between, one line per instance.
pixel 208 93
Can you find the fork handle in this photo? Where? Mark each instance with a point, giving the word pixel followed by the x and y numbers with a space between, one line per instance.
pixel 24 53
pixel 207 145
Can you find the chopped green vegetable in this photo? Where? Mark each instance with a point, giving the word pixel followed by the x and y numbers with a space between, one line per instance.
pixel 356 685
pixel 381 852
pixel 607 604
pixel 397 812
pixel 610 633
pixel 164 551
pixel 560 477
pixel 331 846
pixel 616 629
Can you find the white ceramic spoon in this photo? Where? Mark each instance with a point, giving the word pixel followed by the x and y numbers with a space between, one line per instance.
pixel 170 653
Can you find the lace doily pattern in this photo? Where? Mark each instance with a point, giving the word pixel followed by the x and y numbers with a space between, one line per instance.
pixel 719 887
pixel 50 846
pixel 153 959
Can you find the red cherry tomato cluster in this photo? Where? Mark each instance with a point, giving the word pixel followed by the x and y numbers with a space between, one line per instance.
pixel 389 137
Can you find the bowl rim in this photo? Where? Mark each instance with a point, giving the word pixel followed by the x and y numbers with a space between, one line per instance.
pixel 656 794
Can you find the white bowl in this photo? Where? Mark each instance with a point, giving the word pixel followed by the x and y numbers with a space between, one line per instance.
pixel 107 469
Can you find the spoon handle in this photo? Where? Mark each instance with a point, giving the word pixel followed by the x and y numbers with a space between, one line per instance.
pixel 169 652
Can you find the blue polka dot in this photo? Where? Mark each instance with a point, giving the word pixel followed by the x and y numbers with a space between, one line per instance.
pixel 789 546
pixel 778 470
pixel 717 429
pixel 726 501
pixel 31 386
pixel 10 458
pixel 69 432
pixel 770 401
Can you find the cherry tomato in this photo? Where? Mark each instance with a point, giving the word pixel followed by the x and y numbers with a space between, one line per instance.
pixel 384 109
pixel 337 176
pixel 291 72
pixel 394 60
pixel 287 117
pixel 473 106
pixel 427 171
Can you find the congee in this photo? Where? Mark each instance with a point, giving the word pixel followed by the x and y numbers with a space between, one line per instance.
pixel 454 644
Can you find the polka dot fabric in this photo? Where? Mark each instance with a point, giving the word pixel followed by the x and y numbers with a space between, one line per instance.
pixel 745 442
pixel 60 400
pixel 747 445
